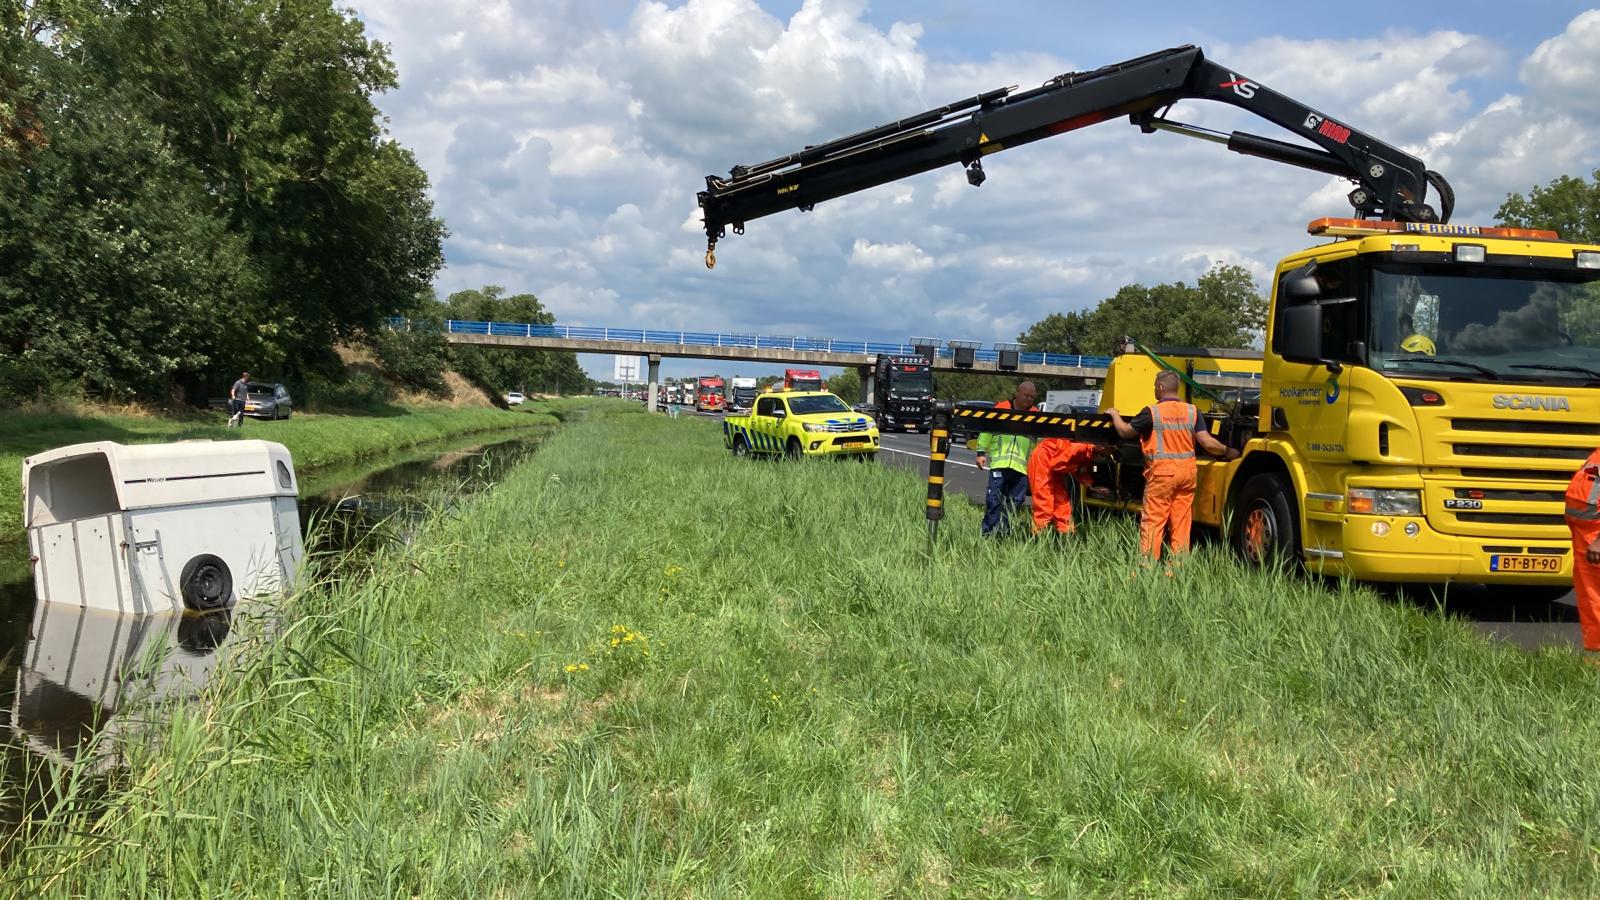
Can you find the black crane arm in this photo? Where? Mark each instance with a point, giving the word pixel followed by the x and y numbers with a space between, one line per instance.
pixel 1391 183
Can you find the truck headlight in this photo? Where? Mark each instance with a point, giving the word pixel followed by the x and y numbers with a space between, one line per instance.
pixel 1384 502
pixel 813 426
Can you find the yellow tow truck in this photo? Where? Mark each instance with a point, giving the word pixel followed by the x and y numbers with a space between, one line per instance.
pixel 1426 389
pixel 801 423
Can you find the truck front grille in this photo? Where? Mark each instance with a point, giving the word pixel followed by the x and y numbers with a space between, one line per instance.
pixel 1523 452
pixel 1524 426
pixel 1483 518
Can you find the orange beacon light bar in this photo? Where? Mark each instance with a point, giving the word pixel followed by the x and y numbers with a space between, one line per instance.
pixel 1330 227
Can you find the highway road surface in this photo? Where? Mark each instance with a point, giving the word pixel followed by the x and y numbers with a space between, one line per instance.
pixel 1529 625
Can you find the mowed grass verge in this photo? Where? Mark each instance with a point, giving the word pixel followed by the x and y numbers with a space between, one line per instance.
pixel 315 440
pixel 641 668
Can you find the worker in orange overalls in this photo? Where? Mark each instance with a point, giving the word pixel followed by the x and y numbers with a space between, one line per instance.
pixel 1054 461
pixel 1168 433
pixel 1583 517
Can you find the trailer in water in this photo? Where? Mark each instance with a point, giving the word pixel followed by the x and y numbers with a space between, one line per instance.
pixel 158 528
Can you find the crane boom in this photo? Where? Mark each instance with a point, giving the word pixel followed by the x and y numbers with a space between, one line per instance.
pixel 1391 184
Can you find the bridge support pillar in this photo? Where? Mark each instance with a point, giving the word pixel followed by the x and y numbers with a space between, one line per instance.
pixel 869 384
pixel 655 382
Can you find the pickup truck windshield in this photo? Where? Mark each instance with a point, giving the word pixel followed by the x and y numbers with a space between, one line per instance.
pixel 825 403
pixel 1514 324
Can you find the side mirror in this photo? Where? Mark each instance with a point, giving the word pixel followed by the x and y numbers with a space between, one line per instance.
pixel 780 413
pixel 1300 333
pixel 1300 338
pixel 1301 284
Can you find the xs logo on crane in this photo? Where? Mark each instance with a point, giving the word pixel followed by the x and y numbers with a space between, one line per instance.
pixel 1242 87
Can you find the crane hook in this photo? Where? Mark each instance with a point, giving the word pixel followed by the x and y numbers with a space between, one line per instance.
pixel 711 253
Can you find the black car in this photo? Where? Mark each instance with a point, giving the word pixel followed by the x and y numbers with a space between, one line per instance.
pixel 264 400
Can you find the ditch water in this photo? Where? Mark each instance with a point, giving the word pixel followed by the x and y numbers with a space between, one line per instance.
pixel 69 676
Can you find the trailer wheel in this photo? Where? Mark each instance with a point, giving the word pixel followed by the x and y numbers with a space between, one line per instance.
pixel 206 583
pixel 1266 526
pixel 741 447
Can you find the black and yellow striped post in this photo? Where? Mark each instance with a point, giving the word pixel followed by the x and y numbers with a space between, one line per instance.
pixel 938 449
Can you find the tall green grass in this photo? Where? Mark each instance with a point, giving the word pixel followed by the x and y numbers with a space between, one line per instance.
pixel 641 668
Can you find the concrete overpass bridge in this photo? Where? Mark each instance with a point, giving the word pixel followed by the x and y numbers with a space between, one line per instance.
pixel 656 345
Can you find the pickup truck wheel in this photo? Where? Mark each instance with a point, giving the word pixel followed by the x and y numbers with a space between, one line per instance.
pixel 792 449
pixel 741 447
pixel 1266 525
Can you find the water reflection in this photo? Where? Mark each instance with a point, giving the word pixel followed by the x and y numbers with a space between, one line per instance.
pixel 84 670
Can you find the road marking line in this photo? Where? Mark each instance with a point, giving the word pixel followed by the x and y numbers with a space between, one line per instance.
pixel 948 462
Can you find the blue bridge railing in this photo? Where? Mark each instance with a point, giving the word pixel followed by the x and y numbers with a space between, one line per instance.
pixel 759 342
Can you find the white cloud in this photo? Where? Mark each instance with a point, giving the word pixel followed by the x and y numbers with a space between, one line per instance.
pixel 565 142
pixel 904 257
pixel 1564 70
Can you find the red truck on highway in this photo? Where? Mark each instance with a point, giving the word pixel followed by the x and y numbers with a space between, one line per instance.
pixel 709 394
pixel 802 380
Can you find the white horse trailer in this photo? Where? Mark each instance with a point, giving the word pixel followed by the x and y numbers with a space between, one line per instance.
pixel 156 528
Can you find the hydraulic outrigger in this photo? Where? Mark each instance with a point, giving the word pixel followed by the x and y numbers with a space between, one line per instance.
pixel 1390 183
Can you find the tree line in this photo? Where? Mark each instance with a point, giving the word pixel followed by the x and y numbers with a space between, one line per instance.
pixel 191 188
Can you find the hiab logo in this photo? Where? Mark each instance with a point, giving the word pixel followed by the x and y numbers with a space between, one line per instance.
pixel 1242 87
pixel 1327 128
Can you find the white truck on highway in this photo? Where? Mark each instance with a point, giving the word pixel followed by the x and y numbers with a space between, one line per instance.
pixel 743 394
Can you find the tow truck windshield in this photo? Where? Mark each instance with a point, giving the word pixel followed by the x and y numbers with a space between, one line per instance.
pixel 1496 322
pixel 824 403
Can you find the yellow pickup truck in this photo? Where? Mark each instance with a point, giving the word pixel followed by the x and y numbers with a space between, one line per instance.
pixel 801 423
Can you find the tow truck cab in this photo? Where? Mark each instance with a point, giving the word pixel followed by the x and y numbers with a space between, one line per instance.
pixel 1427 391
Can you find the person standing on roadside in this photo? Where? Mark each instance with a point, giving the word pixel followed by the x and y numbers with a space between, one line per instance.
pixel 1583 519
pixel 1005 458
pixel 236 395
pixel 1168 432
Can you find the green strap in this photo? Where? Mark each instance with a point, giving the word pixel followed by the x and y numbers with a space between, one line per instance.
pixel 1182 375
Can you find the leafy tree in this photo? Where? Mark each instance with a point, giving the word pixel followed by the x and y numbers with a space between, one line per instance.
pixel 1222 309
pixel 228 196
pixel 970 386
pixel 416 355
pixel 847 385
pixel 499 371
pixel 113 273
pixel 1569 205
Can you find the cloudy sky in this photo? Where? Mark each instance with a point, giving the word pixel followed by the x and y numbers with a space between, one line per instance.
pixel 566 139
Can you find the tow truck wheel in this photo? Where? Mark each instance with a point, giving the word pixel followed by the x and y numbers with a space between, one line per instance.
pixel 741 447
pixel 1265 525
pixel 792 450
